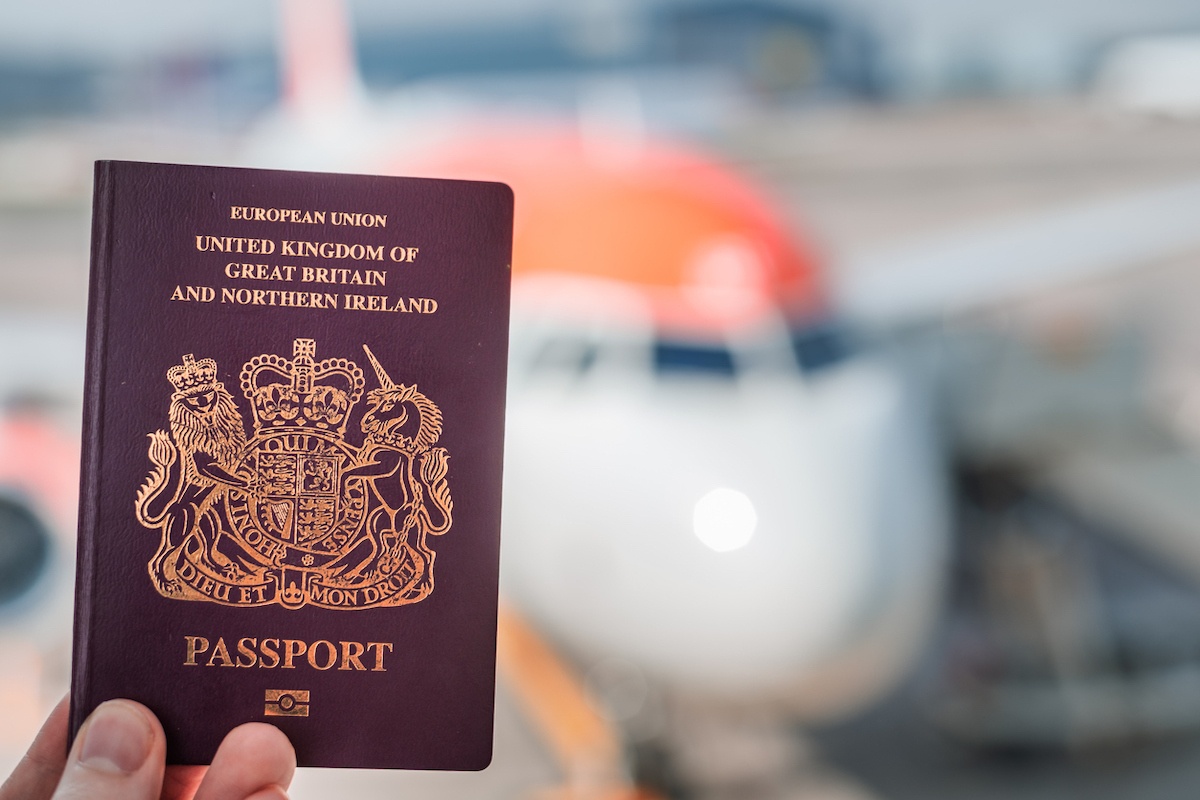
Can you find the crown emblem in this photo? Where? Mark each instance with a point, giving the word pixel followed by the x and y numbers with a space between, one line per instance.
pixel 192 373
pixel 301 393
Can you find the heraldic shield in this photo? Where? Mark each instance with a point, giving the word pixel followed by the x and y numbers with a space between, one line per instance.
pixel 295 514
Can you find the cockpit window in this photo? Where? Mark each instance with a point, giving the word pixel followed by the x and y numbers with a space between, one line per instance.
pixel 688 357
pixel 565 355
pixel 815 347
pixel 820 346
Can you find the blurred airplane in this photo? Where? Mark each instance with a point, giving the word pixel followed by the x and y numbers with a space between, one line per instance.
pixel 701 479
pixel 707 483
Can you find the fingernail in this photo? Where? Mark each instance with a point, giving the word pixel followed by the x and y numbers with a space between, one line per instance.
pixel 117 740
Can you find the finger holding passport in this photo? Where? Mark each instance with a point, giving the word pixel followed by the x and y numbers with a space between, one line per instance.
pixel 120 754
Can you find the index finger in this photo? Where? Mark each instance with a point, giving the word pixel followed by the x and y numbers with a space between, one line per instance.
pixel 180 783
pixel 40 769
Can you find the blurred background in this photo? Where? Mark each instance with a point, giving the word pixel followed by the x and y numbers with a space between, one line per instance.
pixel 854 412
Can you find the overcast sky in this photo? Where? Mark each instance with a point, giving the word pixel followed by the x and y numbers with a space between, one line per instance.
pixel 57 29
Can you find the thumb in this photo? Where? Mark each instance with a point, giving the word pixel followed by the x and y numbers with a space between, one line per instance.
pixel 119 753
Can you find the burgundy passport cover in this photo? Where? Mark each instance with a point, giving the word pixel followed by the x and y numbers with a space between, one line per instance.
pixel 293 434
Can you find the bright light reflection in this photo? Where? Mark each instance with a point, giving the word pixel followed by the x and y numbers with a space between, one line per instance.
pixel 724 519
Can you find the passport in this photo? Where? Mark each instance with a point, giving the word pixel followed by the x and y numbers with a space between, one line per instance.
pixel 292 452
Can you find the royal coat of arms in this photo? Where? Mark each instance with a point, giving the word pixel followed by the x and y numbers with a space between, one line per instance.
pixel 295 514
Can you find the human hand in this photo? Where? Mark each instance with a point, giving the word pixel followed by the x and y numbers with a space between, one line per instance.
pixel 121 750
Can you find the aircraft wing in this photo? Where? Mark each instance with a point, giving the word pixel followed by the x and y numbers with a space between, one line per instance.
pixel 1002 260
